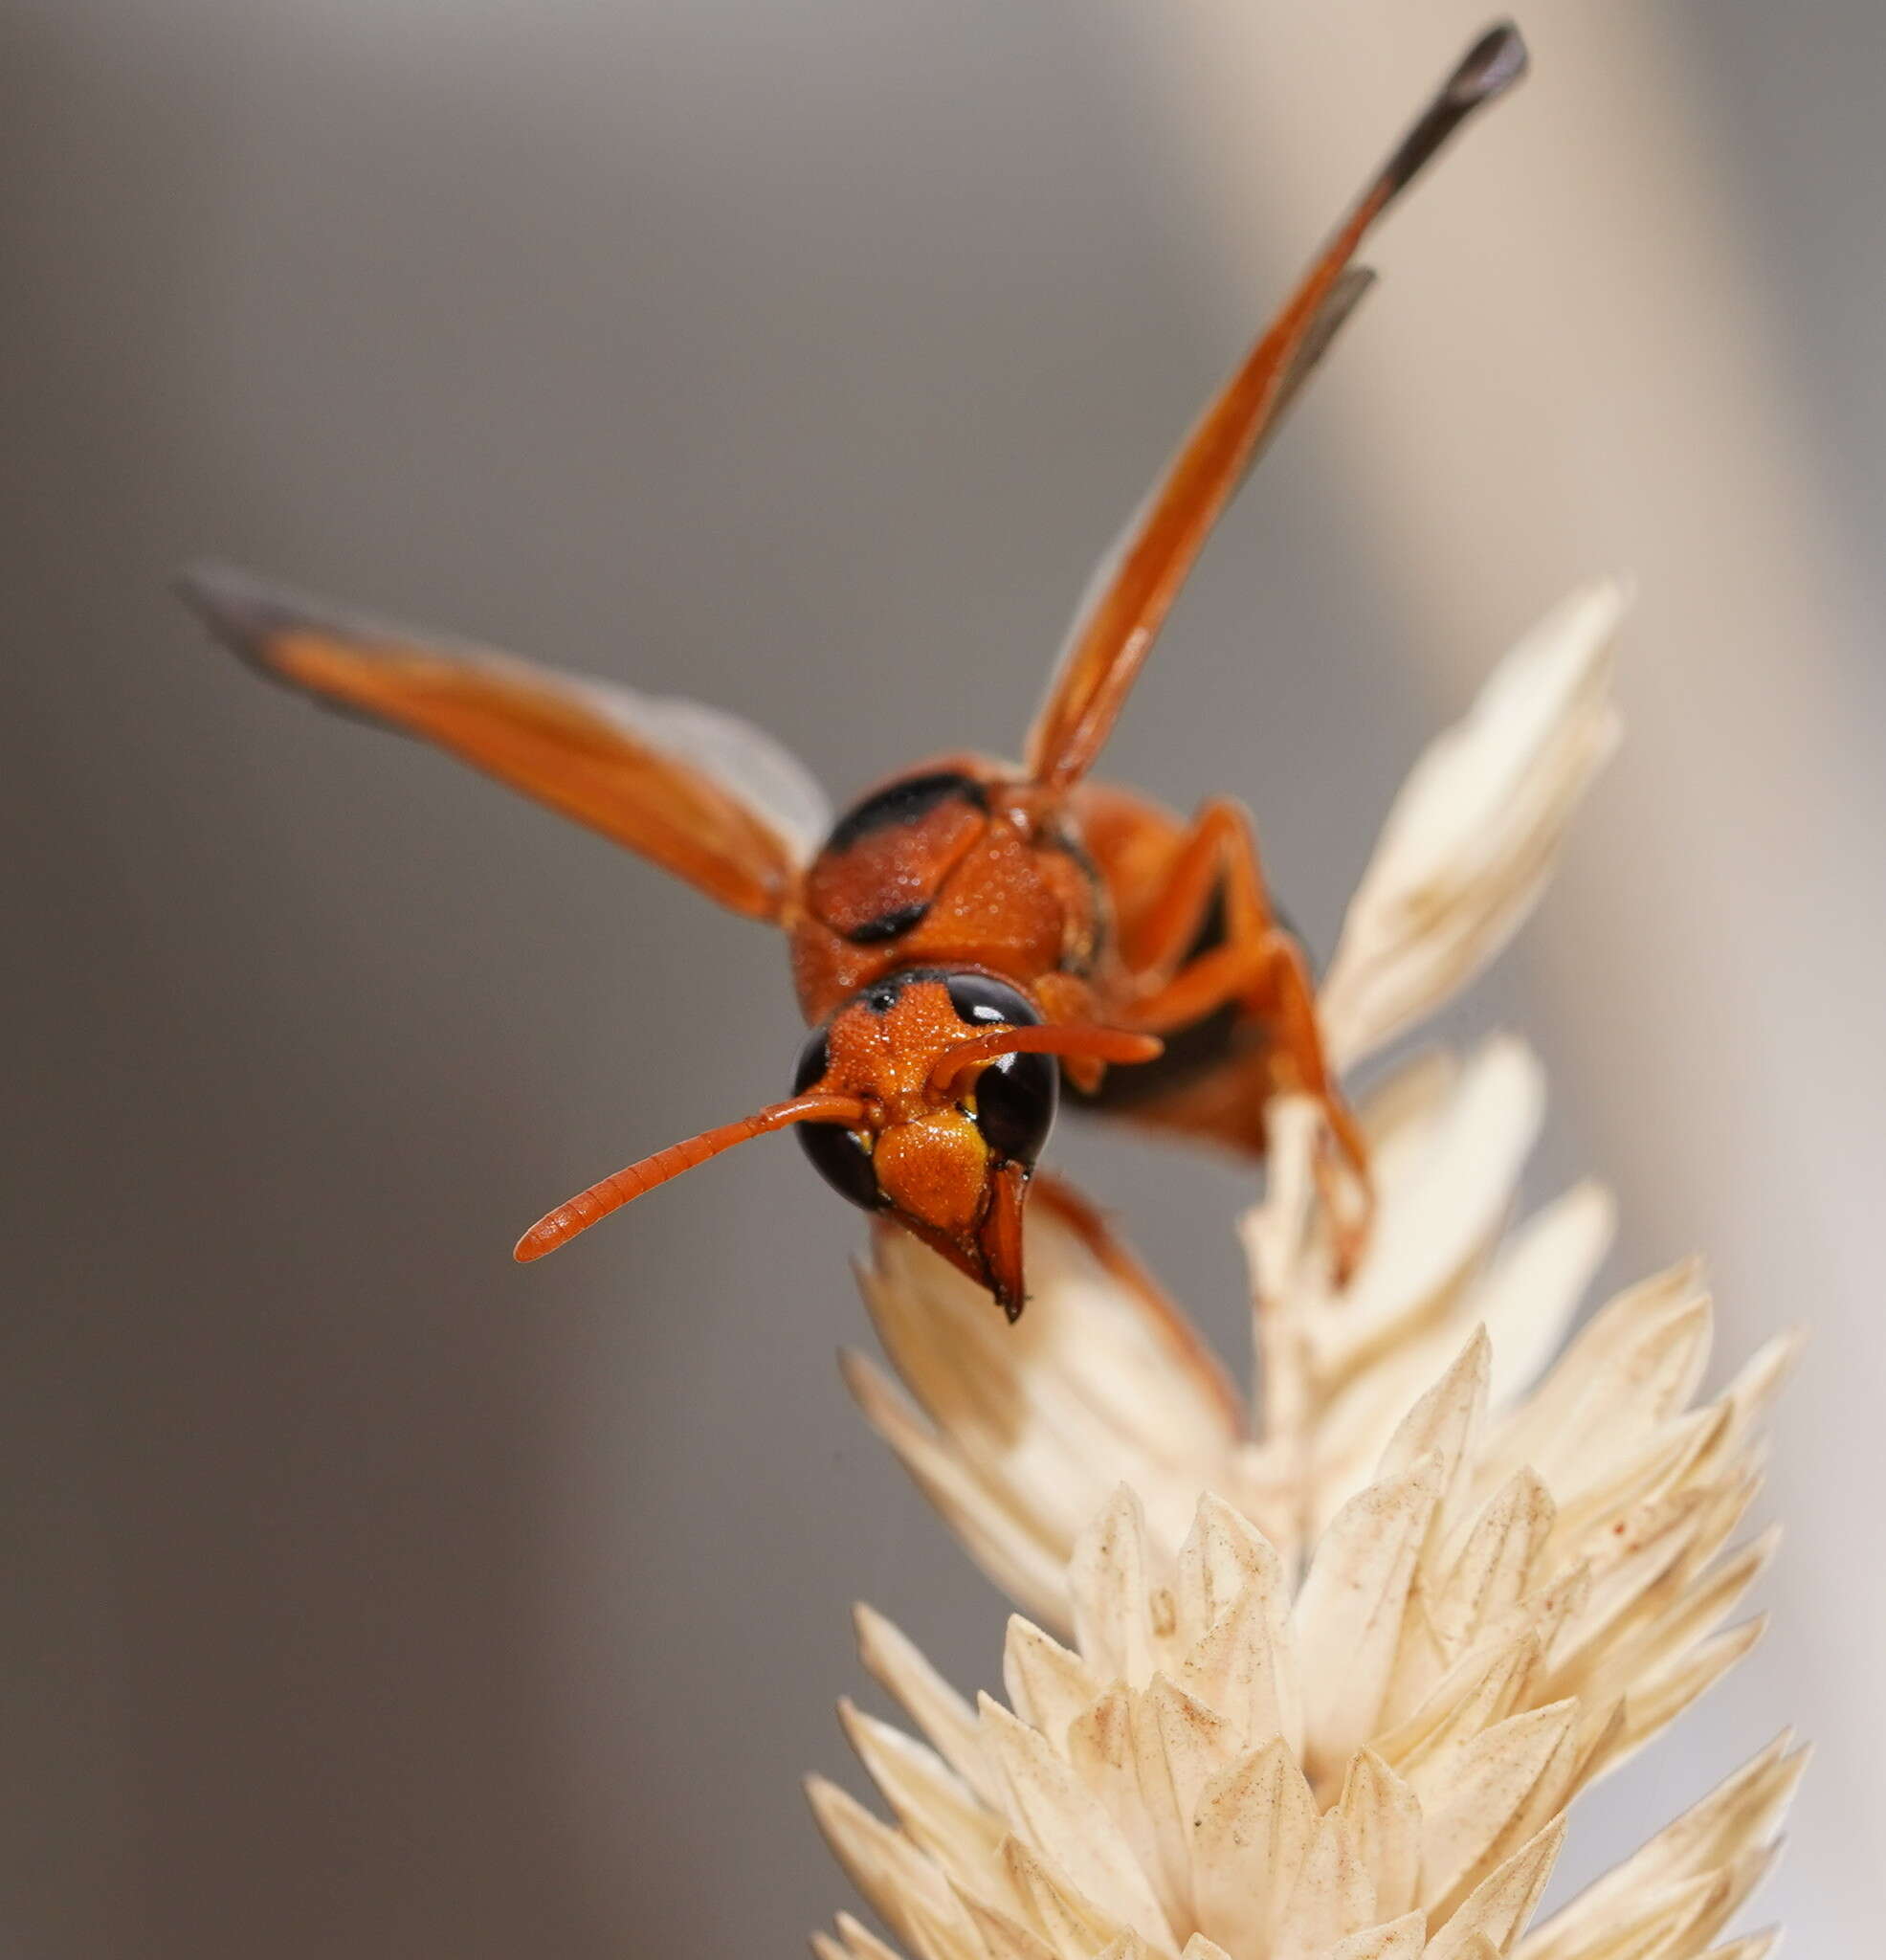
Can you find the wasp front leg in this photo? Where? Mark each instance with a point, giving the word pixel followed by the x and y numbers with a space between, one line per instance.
pixel 1259 970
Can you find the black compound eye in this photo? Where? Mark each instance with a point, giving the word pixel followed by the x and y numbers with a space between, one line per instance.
pixel 1015 1094
pixel 1016 1100
pixel 984 1002
pixel 836 1153
pixel 814 1059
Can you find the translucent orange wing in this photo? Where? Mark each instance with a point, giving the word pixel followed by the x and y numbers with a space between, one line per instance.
pixel 699 793
pixel 1137 583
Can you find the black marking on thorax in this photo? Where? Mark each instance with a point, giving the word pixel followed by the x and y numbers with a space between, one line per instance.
pixel 897 804
pixel 888 924
pixel 904 802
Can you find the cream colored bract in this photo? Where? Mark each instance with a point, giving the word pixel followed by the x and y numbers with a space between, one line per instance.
pixel 1335 1674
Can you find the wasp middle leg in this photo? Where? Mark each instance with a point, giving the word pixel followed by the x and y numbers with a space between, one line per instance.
pixel 1257 969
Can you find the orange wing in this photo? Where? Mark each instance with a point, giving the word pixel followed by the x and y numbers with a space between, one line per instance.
pixel 701 792
pixel 1138 582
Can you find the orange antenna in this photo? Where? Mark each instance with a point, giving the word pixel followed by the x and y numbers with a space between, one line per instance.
pixel 1076 1039
pixel 557 1228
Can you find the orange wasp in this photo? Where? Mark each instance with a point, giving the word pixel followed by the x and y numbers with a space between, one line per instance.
pixel 970 932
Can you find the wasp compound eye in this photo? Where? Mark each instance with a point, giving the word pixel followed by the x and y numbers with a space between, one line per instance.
pixel 1016 1094
pixel 837 1155
pixel 985 1002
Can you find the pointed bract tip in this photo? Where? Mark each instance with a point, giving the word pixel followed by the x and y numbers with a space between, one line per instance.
pixel 867 1622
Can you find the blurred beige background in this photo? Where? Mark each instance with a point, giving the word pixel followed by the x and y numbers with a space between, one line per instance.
pixel 367 1596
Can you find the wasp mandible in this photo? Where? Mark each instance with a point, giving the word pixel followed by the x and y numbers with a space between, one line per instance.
pixel 971 933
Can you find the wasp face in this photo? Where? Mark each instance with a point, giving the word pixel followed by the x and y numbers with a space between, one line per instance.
pixel 927 1096
pixel 946 1151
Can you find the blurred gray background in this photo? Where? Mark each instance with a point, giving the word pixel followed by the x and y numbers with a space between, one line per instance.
pixel 366 1595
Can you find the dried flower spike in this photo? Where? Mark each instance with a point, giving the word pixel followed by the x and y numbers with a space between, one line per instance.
pixel 1188 1778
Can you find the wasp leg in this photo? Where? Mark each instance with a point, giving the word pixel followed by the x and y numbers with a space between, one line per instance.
pixel 1065 997
pixel 1259 969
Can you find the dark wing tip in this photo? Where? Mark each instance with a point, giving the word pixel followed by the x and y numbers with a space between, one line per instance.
pixel 1494 63
pixel 1488 69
